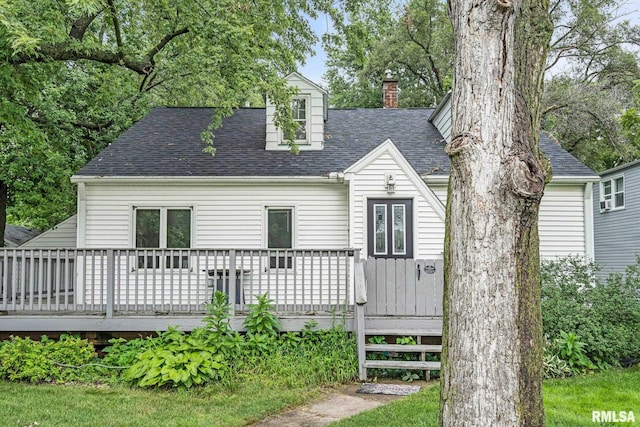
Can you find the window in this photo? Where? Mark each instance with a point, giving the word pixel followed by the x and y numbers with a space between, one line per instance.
pixel 300 115
pixel 280 235
pixel 390 228
pixel 163 228
pixel 612 193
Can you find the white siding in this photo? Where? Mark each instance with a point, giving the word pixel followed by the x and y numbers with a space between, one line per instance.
pixel 61 236
pixel 562 220
pixel 369 182
pixel 226 216
pixel 316 108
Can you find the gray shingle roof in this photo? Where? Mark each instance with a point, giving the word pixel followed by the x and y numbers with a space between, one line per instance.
pixel 15 235
pixel 167 142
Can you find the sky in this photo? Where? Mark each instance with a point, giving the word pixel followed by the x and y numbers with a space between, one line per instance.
pixel 315 67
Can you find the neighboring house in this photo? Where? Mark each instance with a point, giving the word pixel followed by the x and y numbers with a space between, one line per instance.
pixel 62 235
pixel 159 221
pixel 16 235
pixel 616 211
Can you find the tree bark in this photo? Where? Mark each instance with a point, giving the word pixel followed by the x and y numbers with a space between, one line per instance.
pixel 492 337
pixel 4 195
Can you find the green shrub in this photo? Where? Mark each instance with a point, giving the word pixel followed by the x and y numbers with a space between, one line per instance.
pixel 67 359
pixel 606 315
pixel 180 361
pixel 261 318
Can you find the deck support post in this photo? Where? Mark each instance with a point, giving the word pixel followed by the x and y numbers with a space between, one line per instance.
pixel 232 279
pixel 111 282
pixel 361 301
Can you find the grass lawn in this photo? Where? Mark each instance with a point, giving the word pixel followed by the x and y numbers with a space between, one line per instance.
pixel 23 405
pixel 568 403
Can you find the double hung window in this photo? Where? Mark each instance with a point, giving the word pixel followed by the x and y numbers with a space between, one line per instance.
pixel 163 228
pixel 300 115
pixel 280 236
pixel 612 193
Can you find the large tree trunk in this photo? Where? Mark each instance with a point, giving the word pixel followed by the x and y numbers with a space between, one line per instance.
pixel 492 352
pixel 4 195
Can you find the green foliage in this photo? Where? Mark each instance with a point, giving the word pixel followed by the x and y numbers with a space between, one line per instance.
pixel 23 359
pixel 554 367
pixel 261 319
pixel 571 349
pixel 180 361
pixel 76 73
pixel 606 316
pixel 125 353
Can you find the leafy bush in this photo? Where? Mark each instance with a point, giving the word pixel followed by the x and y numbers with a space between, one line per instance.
pixel 261 318
pixel 180 361
pixel 606 316
pixel 23 359
pixel 554 367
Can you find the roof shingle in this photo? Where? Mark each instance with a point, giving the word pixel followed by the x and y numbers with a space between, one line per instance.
pixel 167 142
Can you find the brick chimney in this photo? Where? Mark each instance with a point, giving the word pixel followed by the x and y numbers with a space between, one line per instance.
pixel 390 92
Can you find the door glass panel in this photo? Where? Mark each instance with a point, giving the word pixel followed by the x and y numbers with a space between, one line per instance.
pixel 380 214
pixel 399 247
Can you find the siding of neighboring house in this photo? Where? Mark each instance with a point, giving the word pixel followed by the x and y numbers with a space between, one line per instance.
pixel 562 220
pixel 617 232
pixel 369 182
pixel 61 236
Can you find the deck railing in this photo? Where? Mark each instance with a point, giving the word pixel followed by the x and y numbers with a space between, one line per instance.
pixel 173 281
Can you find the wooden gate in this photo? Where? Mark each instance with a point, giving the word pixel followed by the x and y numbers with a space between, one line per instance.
pixel 404 287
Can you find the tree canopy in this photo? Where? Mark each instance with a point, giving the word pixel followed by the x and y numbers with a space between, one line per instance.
pixel 591 67
pixel 75 73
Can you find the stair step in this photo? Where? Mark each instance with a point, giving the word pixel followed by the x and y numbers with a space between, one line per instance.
pixel 409 348
pixel 402 364
pixel 404 332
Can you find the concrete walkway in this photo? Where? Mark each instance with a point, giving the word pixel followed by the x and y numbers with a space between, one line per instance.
pixel 340 403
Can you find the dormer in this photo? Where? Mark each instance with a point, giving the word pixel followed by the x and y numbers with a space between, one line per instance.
pixel 309 109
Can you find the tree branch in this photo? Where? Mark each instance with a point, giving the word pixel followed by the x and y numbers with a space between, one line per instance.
pixel 80 25
pixel 166 39
pixel 116 23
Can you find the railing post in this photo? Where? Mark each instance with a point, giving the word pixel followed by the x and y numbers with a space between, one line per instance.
pixel 232 279
pixel 361 301
pixel 111 282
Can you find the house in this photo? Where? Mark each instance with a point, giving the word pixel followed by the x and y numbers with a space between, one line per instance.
pixel 160 223
pixel 616 211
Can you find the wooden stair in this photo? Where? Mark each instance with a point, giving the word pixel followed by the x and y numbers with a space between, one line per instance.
pixel 423 349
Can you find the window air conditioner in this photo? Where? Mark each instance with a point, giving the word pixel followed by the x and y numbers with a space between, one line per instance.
pixel 605 205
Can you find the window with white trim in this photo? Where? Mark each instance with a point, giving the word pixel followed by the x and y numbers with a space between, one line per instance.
pixel 157 228
pixel 612 193
pixel 280 235
pixel 300 114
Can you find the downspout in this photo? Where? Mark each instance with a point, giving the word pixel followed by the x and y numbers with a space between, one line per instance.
pixel 588 222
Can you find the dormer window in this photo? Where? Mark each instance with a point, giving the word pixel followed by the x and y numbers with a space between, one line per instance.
pixel 308 110
pixel 300 114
